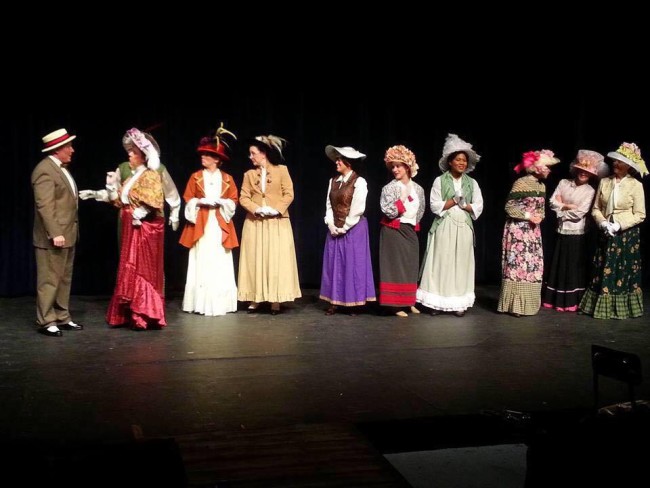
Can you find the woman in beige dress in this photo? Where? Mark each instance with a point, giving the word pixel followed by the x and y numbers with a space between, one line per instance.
pixel 268 271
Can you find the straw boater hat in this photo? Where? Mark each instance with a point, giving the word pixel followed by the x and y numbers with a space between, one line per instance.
pixel 592 162
pixel 401 154
pixel 347 152
pixel 56 139
pixel 145 142
pixel 630 154
pixel 544 157
pixel 216 145
pixel 454 144
pixel 271 145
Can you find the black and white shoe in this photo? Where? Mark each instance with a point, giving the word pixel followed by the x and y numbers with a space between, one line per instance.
pixel 51 331
pixel 71 326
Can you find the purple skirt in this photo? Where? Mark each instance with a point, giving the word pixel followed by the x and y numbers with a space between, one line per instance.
pixel 347 271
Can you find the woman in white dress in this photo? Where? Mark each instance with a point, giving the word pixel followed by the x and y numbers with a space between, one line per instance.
pixel 210 202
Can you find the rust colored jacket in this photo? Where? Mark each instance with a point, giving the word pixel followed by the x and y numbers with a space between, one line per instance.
pixel 195 189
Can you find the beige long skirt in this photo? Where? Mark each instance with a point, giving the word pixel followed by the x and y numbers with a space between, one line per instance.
pixel 268 271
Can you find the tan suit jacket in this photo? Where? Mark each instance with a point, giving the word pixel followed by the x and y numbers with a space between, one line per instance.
pixel 278 194
pixel 55 206
pixel 629 209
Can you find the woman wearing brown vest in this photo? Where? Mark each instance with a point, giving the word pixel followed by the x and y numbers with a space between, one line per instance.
pixel 347 271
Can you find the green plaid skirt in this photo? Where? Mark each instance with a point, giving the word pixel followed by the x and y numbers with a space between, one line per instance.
pixel 615 289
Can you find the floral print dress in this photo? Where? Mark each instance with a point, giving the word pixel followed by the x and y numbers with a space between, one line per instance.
pixel 522 254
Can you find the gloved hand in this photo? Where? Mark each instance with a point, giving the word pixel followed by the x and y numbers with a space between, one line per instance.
pixel 87 194
pixel 604 225
pixel 612 228
pixel 207 202
pixel 140 213
pixel 136 222
pixel 173 217
pixel 341 230
pixel 462 202
pixel 271 212
pixel 111 179
pixel 259 211
pixel 457 196
pixel 333 230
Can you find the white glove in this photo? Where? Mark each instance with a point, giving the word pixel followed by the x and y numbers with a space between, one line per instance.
pixel 333 230
pixel 266 211
pixel 612 228
pixel 341 230
pixel 136 222
pixel 207 202
pixel 140 213
pixel 87 194
pixel 173 217
pixel 111 185
pixel 462 202
pixel 111 178
pixel 604 226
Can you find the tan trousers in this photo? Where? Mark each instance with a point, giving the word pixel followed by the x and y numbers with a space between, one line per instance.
pixel 53 280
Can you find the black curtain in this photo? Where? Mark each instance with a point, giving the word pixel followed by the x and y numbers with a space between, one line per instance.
pixel 371 116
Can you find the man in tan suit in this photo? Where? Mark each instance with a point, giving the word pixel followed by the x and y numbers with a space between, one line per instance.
pixel 55 234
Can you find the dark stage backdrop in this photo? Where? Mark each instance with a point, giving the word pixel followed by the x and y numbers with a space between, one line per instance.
pixel 501 124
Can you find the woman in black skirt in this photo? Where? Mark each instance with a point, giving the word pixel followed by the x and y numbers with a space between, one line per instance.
pixel 571 202
pixel 402 202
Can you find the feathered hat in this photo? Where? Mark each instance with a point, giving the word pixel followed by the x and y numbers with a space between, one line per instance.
pixel 401 154
pixel 215 145
pixel 271 146
pixel 454 144
pixel 592 162
pixel 545 157
pixel 146 143
pixel 630 154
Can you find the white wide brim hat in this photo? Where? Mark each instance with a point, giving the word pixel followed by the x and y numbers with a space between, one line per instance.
pixel 454 144
pixel 628 161
pixel 347 152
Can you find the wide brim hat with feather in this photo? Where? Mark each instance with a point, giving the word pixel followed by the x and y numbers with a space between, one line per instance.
pixel 453 145
pixel 128 142
pixel 215 145
pixel 543 157
pixel 146 143
pixel 630 154
pixel 271 145
pixel 592 162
